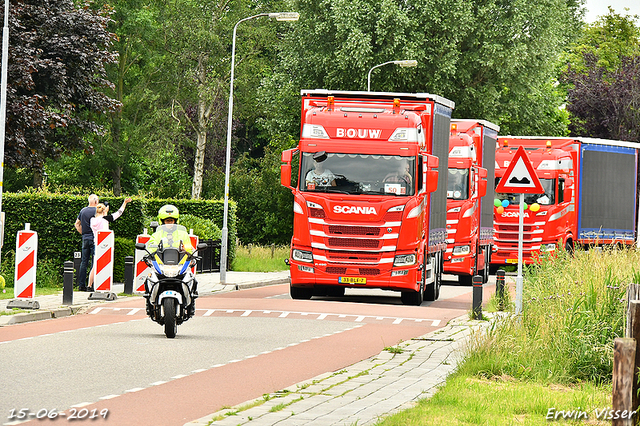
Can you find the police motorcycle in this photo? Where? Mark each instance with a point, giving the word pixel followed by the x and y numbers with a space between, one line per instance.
pixel 171 287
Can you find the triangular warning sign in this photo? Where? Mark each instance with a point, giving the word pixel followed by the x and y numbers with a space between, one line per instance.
pixel 520 178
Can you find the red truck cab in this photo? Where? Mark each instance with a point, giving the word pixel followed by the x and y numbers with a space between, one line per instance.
pixel 549 218
pixel 369 194
pixel 469 207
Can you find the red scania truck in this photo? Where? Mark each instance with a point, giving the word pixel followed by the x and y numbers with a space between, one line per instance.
pixel 370 193
pixel 590 196
pixel 472 147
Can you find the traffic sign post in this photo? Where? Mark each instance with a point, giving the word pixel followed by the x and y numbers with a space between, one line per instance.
pixel 520 178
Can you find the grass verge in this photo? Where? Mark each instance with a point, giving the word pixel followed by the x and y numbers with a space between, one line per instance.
pixel 557 355
pixel 253 258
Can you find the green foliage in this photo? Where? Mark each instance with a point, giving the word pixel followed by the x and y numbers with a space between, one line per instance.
pixel 123 247
pixel 502 72
pixel 53 216
pixel 264 206
pixel 573 309
pixel 256 258
pixel 205 229
pixel 610 38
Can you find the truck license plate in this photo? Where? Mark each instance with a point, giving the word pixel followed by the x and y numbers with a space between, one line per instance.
pixel 511 261
pixel 352 280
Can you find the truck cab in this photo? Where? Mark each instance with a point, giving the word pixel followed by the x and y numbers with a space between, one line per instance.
pixel 550 217
pixel 469 226
pixel 370 194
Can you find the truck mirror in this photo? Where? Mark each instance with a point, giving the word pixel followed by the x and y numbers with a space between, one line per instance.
pixel 430 172
pixel 482 182
pixel 285 175
pixel 432 181
pixel 285 169
pixel 567 192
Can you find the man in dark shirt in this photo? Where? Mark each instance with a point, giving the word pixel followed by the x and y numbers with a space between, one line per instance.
pixel 83 227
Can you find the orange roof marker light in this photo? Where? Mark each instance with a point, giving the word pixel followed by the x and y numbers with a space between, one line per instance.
pixel 505 143
pixel 330 102
pixel 454 127
pixel 549 144
pixel 396 105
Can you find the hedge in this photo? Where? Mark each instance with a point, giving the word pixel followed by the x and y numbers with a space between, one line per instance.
pixel 53 217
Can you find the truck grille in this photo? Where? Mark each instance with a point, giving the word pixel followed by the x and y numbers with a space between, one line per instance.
pixel 354 243
pixel 354 230
pixel 361 271
pixel 353 256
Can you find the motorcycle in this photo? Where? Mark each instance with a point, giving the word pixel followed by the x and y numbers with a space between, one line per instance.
pixel 171 287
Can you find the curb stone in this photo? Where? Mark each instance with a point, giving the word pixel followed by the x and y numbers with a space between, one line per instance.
pixel 364 392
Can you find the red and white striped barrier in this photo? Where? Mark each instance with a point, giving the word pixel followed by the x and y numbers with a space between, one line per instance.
pixel 26 261
pixel 103 261
pixel 194 243
pixel 142 270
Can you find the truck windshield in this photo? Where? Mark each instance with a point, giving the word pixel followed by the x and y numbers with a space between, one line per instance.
pixel 358 173
pixel 546 199
pixel 458 184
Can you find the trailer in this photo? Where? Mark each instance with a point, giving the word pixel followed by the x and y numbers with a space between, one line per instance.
pixel 590 196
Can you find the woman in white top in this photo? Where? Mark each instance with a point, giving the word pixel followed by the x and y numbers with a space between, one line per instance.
pixel 101 222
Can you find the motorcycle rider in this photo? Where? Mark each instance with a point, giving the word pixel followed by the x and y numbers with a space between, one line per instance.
pixel 171 235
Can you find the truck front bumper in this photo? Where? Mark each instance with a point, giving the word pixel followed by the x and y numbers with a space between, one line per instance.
pixel 355 276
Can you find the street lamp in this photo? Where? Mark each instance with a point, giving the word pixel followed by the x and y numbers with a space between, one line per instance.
pixel 404 64
pixel 279 16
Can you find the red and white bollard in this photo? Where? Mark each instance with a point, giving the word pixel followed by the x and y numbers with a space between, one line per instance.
pixel 26 261
pixel 141 268
pixel 103 261
pixel 194 243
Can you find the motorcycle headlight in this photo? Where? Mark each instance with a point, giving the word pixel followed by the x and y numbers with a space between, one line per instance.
pixel 171 270
pixel 404 260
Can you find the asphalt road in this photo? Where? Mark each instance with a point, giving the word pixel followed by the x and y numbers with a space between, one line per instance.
pixel 239 346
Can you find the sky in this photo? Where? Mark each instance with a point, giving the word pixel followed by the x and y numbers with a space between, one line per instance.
pixel 597 8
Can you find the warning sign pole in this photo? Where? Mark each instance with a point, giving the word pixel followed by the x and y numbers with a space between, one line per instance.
pixel 520 178
pixel 519 280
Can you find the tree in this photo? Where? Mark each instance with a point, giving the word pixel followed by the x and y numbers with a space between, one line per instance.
pixel 196 41
pixel 603 79
pixel 605 104
pixel 494 58
pixel 56 74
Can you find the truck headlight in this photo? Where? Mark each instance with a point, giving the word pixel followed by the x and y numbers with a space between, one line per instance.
pixel 302 256
pixel 404 260
pixel 548 247
pixel 461 250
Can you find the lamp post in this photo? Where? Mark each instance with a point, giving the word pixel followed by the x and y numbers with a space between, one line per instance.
pixel 279 16
pixel 3 106
pixel 404 64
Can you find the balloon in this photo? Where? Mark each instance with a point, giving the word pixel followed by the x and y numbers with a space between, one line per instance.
pixel 500 210
pixel 505 203
pixel 524 206
pixel 535 207
pixel 497 203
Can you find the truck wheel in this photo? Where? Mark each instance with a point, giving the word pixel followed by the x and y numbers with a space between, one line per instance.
pixel 465 280
pixel 432 290
pixel 300 292
pixel 412 298
pixel 568 246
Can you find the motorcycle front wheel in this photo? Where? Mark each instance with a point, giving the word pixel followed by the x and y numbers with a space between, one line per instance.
pixel 170 326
